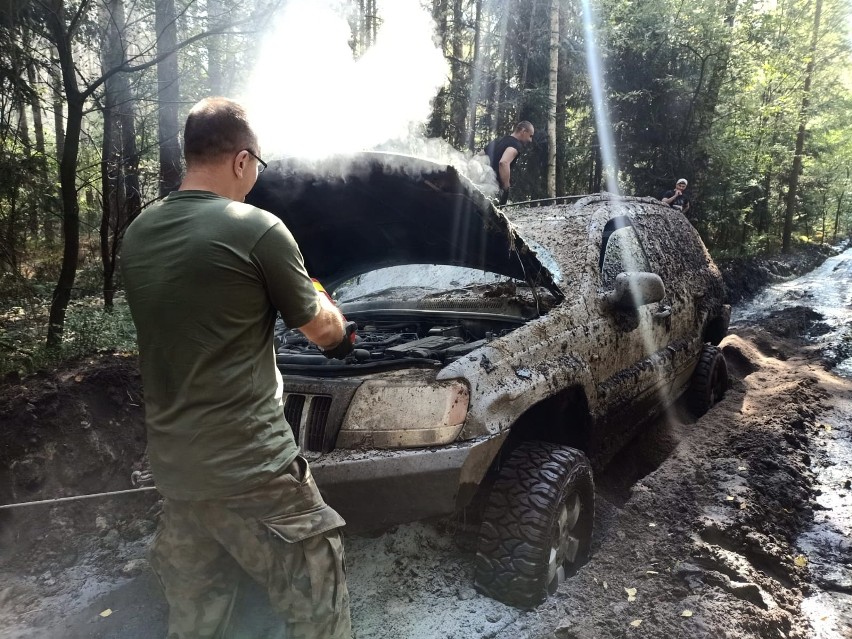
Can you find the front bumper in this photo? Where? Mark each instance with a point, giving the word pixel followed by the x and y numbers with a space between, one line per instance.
pixel 374 489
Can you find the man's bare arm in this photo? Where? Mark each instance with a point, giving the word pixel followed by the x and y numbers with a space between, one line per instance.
pixel 327 329
pixel 669 200
pixel 505 166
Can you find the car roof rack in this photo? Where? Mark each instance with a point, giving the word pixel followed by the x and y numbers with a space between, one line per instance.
pixel 545 201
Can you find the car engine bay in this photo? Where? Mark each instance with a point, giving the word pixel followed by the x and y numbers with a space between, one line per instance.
pixel 425 330
pixel 387 344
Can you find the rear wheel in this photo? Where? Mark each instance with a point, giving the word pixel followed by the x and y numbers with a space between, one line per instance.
pixel 537 525
pixel 709 381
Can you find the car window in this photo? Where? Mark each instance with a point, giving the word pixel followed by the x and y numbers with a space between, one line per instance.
pixel 434 277
pixel 621 251
pixel 673 247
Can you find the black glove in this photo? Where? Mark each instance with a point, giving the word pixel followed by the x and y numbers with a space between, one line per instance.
pixel 346 344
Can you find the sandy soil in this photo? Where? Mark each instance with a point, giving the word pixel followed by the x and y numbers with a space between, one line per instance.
pixel 737 525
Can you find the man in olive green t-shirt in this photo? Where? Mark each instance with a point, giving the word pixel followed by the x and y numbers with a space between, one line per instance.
pixel 204 275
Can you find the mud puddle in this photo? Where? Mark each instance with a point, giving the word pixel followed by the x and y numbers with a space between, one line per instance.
pixel 821 301
pixel 827 544
pixel 818 307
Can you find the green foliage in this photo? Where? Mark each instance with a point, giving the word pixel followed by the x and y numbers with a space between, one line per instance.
pixel 88 329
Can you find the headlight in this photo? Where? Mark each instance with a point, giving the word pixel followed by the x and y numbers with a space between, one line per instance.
pixel 387 414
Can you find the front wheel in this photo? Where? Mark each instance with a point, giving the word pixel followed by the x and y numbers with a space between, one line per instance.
pixel 537 525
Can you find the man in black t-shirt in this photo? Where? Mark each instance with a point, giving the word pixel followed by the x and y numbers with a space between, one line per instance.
pixel 503 153
pixel 676 199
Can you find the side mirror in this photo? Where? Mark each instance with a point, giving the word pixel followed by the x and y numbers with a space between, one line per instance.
pixel 633 290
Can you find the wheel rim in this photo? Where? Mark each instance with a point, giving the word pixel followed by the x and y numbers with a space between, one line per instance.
pixel 565 544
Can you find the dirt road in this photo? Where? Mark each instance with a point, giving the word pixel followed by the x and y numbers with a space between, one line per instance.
pixel 737 525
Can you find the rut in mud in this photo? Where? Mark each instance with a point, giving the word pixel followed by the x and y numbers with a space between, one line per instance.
pixel 704 528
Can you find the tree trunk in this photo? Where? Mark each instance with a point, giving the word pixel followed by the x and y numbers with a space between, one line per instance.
pixel 215 47
pixel 168 97
pixel 130 190
pixel 120 157
pixel 70 209
pixel 40 162
pixel 109 190
pixel 31 207
pixel 115 91
pixel 358 40
pixel 368 33
pixel 8 235
pixel 31 210
pixel 591 182
pixel 437 127
pixel 499 77
pixel 458 81
pixel 526 63
pixel 58 107
pixel 552 102
pixel 59 136
pixel 837 212
pixel 562 93
pixel 793 184
pixel 598 179
pixel 75 101
pixel 374 21
pixel 476 85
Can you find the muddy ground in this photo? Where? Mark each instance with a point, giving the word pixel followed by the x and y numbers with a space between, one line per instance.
pixel 746 276
pixel 736 525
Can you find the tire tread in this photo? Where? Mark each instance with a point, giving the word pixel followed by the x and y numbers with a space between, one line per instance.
pixel 512 558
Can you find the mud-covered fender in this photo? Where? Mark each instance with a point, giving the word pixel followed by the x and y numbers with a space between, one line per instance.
pixel 506 379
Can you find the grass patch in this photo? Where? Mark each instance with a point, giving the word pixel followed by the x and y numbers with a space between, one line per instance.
pixel 88 329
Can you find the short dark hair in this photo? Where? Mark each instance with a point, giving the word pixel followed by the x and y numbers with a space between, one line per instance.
pixel 216 127
pixel 524 125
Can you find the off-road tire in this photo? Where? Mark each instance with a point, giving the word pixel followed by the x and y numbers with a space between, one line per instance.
pixel 709 381
pixel 525 549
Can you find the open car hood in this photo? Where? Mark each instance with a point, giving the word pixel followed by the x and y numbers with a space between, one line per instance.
pixel 355 214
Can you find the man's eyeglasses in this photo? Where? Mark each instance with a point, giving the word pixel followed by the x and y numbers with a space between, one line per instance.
pixel 261 164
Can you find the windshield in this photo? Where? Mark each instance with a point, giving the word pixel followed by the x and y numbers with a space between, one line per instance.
pixel 419 278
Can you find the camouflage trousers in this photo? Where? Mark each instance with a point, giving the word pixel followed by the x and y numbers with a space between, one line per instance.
pixel 282 534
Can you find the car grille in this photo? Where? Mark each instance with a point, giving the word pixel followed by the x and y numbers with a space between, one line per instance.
pixel 308 417
pixel 293 413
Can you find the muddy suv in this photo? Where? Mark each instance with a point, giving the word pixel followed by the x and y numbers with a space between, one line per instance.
pixel 503 356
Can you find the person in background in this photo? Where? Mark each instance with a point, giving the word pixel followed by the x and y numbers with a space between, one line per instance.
pixel 205 274
pixel 504 152
pixel 676 199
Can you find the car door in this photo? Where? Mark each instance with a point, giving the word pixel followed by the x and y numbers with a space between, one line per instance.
pixel 676 254
pixel 631 364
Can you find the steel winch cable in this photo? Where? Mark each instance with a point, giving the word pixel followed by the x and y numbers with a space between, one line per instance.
pixel 60 500
pixel 137 477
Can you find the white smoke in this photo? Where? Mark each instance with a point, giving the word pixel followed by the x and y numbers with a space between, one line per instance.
pixel 475 168
pixel 309 98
